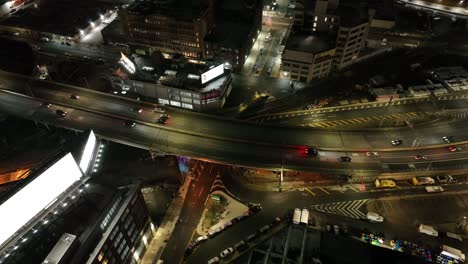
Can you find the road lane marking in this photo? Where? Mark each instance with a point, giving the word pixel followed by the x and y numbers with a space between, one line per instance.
pixel 309 191
pixel 325 191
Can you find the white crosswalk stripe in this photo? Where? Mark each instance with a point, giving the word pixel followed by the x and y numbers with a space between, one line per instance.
pixel 348 208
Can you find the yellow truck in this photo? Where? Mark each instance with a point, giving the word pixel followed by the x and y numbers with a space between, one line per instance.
pixel 385 183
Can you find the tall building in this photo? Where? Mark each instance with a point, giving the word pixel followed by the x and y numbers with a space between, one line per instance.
pixel 352 35
pixel 307 57
pixel 171 26
pixel 237 24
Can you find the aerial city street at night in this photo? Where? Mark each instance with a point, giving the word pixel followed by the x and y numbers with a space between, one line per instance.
pixel 233 131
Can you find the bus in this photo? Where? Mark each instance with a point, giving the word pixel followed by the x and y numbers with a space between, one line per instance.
pixel 296 216
pixel 305 216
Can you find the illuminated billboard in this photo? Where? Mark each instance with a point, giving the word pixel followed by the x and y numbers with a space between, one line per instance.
pixel 37 195
pixel 87 154
pixel 213 73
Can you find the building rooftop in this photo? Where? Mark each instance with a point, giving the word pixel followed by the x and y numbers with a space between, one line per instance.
pixel 352 15
pixel 310 43
pixel 62 17
pixel 180 9
pixel 229 34
pixel 176 72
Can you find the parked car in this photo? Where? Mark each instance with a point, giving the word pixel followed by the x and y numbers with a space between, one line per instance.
pixel 200 239
pixel 228 251
pixel 214 232
pixel 264 228
pixel 213 260
pixel 240 245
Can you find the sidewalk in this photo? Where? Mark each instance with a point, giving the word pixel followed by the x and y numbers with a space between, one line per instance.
pixel 167 226
pixel 233 209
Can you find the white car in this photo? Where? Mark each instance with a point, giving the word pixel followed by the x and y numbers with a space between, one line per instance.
pixel 374 217
pixel 226 252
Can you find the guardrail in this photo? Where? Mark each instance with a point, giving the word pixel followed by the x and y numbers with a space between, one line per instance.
pixel 363 106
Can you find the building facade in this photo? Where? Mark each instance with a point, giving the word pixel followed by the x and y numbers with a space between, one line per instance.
pixel 127 230
pixel 237 25
pixel 302 63
pixel 171 28
pixel 349 42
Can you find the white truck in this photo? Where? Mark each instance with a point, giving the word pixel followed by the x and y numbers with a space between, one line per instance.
pixel 453 253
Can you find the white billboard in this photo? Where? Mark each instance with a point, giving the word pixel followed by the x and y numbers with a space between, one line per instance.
pixel 213 73
pixel 87 154
pixel 37 195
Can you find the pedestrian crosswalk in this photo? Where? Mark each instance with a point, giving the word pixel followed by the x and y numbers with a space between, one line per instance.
pixel 348 208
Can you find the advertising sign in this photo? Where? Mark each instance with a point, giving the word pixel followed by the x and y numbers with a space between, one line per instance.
pixel 213 73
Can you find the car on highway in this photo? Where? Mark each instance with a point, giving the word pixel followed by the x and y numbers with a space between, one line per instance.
pixel 385 183
pixel 46 105
pixel 61 113
pixel 159 110
pixel 311 151
pixel 422 180
pixel 74 96
pixel 396 142
pixel 254 67
pixel 345 159
pixel 262 51
pixel 129 124
pixel 454 148
pixel 451 179
pixel 434 189
pixel 251 237
pixel 136 109
pixel 162 119
pixel 228 251
pixel 372 154
pixel 447 139
pixel 420 157
pixel 442 179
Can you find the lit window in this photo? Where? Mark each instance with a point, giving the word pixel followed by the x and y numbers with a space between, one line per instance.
pixel 315 18
pixel 100 256
pixel 326 18
pixel 315 24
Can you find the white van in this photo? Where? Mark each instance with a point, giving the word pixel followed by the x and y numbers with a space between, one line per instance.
pixel 374 217
pixel 428 230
